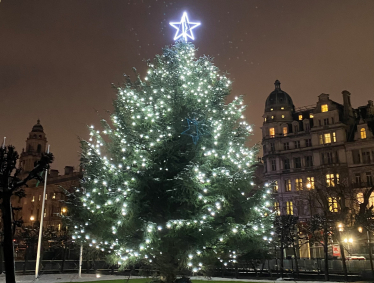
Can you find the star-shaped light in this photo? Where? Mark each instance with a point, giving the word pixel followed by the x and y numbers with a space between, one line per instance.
pixel 193 130
pixel 184 28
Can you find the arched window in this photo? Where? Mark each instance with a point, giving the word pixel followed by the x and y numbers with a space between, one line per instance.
pixel 39 148
pixel 363 133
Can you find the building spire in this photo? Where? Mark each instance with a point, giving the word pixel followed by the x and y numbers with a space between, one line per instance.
pixel 277 84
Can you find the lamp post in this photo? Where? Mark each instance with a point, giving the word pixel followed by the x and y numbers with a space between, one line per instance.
pixel 360 229
pixel 342 253
pixel 32 218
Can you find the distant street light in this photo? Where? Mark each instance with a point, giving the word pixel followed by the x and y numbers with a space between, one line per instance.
pixel 32 218
pixel 340 227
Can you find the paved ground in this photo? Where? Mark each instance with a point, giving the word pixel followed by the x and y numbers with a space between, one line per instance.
pixel 58 278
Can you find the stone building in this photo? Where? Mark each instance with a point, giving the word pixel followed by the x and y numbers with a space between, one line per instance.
pixel 324 143
pixel 31 204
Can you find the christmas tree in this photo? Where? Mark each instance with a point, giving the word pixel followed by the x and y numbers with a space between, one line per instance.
pixel 169 181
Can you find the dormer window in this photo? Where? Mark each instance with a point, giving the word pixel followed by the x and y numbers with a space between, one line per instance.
pixel 324 108
pixel 300 117
pixel 363 133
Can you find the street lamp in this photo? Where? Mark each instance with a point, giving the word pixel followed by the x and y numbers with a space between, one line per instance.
pixel 32 218
pixel 340 227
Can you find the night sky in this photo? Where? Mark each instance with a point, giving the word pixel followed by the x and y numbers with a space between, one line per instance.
pixel 58 58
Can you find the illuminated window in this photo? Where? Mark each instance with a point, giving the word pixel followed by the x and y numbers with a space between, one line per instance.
pixel 271 109
pixel 54 196
pixel 40 197
pixel 59 227
pixel 289 207
pixel 332 180
pixel 282 116
pixel 275 186
pixel 299 184
pixel 45 212
pixel 310 183
pixel 276 208
pixel 320 139
pixel 327 138
pixel 33 199
pixel 334 137
pixel 360 199
pixel 324 108
pixel 311 115
pixel 363 133
pixel 300 117
pixel 287 184
pixel 333 204
pixel 282 108
pixel 272 117
pixel 265 119
pixel 272 132
pixel 46 196
pixel 285 131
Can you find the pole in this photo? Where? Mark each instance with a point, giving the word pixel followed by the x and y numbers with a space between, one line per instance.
pixel 370 252
pixel 80 261
pixel 41 224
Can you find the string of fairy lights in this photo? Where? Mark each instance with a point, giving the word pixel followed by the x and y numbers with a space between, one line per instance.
pixel 144 120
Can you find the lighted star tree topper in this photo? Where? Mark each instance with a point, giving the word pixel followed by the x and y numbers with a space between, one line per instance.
pixel 152 195
pixel 184 28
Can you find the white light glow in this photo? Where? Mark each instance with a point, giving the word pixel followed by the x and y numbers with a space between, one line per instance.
pixel 184 28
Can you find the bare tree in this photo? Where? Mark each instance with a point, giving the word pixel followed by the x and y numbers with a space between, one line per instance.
pixel 11 184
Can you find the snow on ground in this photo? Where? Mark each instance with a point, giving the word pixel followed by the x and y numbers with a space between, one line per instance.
pixel 59 278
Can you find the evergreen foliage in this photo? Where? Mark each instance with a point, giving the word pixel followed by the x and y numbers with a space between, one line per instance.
pixel 169 181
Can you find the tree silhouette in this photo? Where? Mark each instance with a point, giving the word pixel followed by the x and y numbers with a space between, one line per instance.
pixel 11 183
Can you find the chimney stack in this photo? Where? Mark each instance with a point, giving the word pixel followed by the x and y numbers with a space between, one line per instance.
pixel 348 111
pixel 69 170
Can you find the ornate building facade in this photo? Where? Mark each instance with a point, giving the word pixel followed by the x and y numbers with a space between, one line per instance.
pixel 31 204
pixel 321 144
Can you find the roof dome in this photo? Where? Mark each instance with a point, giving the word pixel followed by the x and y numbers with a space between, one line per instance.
pixel 37 127
pixel 278 98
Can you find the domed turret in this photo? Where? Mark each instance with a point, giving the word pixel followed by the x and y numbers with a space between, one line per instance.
pixel 278 100
pixel 37 127
pixel 35 146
